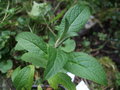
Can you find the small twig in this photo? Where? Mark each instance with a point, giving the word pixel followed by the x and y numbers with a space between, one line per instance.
pixel 30 28
pixel 49 26
pixel 6 12
pixel 99 24
pixel 86 82
pixel 57 6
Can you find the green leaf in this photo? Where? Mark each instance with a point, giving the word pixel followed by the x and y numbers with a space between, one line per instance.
pixel 68 46
pixel 85 66
pixel 52 39
pixel 24 78
pixel 63 79
pixel 56 60
pixel 14 74
pixel 66 28
pixel 35 58
pixel 77 16
pixel 61 38
pixel 59 15
pixel 18 47
pixel 31 42
pixel 5 66
pixel 39 87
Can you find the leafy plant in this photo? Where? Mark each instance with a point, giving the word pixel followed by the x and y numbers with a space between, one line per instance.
pixel 5 66
pixel 118 79
pixel 39 11
pixel 102 36
pixel 5 62
pixel 23 78
pixel 56 59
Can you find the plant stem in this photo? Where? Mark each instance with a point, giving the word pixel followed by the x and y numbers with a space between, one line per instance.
pixel 57 43
pixel 30 28
pixel 6 12
pixel 49 27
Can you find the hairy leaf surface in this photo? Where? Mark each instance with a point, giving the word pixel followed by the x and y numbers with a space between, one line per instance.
pixel 68 45
pixel 77 16
pixel 35 58
pixel 56 60
pixel 85 66
pixel 5 66
pixel 14 74
pixel 31 42
pixel 24 78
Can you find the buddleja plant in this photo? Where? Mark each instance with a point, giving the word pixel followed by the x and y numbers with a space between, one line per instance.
pixel 55 59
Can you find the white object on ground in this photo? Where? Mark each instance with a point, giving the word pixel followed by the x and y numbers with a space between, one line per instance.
pixel 71 75
pixel 82 86
pixel 90 23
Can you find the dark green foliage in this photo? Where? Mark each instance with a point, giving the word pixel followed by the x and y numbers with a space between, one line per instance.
pixel 46 38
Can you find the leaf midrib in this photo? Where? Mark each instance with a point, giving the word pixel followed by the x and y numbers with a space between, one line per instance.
pixel 87 68
pixel 33 43
pixel 77 17
pixel 53 65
